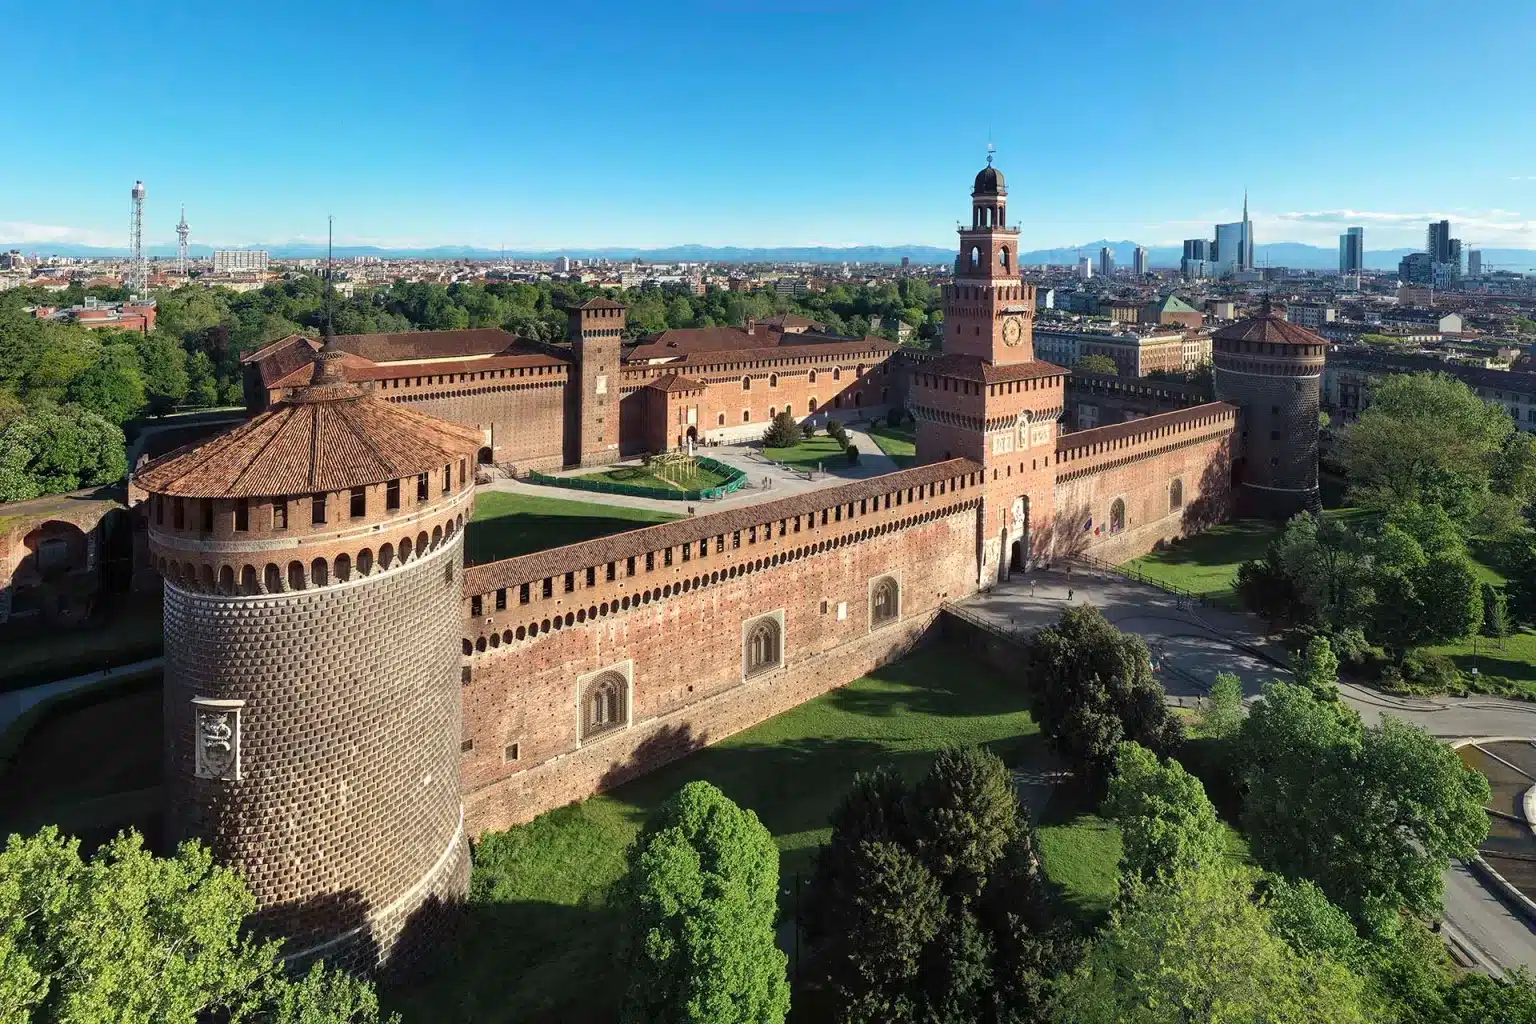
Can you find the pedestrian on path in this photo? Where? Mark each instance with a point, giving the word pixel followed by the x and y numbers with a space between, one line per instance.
pixel 1031 588
pixel 1069 595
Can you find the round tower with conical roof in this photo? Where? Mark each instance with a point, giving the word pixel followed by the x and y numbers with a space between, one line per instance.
pixel 312 561
pixel 1272 370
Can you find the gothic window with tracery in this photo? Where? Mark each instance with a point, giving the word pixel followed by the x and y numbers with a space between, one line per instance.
pixel 884 601
pixel 764 645
pixel 603 705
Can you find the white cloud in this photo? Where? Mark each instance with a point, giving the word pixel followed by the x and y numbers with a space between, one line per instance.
pixel 1392 229
pixel 22 231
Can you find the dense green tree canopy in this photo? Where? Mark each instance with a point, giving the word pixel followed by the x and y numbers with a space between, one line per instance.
pixel 1371 815
pixel 51 450
pixel 137 939
pixel 1201 948
pixel 1166 822
pixel 700 900
pixel 1092 686
pixel 1430 440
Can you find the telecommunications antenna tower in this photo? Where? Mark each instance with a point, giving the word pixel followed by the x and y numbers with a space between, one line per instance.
pixel 182 230
pixel 137 278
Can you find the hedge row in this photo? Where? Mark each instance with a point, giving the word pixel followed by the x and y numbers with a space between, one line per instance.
pixel 735 479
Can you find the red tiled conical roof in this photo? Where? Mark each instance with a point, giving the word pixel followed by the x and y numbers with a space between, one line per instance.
pixel 1268 326
pixel 329 436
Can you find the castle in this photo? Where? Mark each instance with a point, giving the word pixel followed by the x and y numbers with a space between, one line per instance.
pixel 346 704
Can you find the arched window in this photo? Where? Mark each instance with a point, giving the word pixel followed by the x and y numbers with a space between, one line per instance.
pixel 764 645
pixel 386 556
pixel 437 537
pixel 811 377
pixel 206 574
pixel 226 580
pixel 320 572
pixel 1175 495
pixel 296 577
pixel 837 373
pixel 746 383
pixel 248 584
pixel 1117 515
pixel 364 562
pixel 884 601
pixel 721 421
pixel 1003 257
pixel 405 549
pixel 604 705
pixel 813 403
pixel 746 415
pixel 274 579
pixel 975 256
pixel 343 568
pixel 773 380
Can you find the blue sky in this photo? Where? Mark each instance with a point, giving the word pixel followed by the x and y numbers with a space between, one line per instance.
pixel 759 123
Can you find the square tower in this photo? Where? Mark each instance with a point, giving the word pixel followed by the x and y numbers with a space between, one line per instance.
pixel 596 330
pixel 987 398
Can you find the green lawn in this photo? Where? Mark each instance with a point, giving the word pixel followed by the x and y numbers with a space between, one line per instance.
pixel 809 452
pixel 1512 657
pixel 540 941
pixel 900 443
pixel 506 525
pixel 1206 563
pixel 642 476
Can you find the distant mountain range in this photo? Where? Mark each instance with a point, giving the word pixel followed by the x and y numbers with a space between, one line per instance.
pixel 1296 255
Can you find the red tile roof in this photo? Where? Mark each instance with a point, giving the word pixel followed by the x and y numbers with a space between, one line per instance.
pixel 324 438
pixel 975 368
pixel 1268 327
pixel 358 368
pixel 482 579
pixel 282 357
pixel 675 382
pixel 599 302
pixel 385 348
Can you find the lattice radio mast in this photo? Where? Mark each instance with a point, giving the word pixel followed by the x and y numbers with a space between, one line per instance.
pixel 137 278
pixel 181 242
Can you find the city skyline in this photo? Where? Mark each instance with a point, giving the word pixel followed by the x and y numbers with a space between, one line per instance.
pixel 642 136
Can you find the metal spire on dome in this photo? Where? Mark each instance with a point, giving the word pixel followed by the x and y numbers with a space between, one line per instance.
pixel 328 369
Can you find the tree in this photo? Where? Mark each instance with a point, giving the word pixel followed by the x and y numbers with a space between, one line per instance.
pixel 1223 714
pixel 1199 948
pixel 1495 611
pixel 1435 602
pixel 1302 915
pixel 131 937
pixel 700 899
pixel 1372 816
pixel 1326 565
pixel 1092 687
pixel 1520 591
pixel 783 432
pixel 928 903
pixel 965 812
pixel 49 450
pixel 113 386
pixel 1317 669
pixel 165 372
pixel 1429 439
pixel 895 911
pixel 1166 822
pixel 1098 364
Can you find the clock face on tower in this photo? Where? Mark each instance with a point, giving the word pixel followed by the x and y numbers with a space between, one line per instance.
pixel 1013 331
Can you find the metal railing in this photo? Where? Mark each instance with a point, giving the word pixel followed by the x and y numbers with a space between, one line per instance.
pixel 1202 600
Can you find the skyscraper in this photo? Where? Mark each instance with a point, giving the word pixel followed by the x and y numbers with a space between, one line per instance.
pixel 1475 263
pixel 1085 268
pixel 1140 261
pixel 1106 261
pixel 1246 260
pixel 1438 241
pixel 1352 251
pixel 1197 248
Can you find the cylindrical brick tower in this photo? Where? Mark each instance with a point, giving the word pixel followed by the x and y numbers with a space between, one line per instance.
pixel 312 561
pixel 1272 370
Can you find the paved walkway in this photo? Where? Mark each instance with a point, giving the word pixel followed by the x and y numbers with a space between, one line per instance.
pixel 766 481
pixel 15 703
pixel 1192 644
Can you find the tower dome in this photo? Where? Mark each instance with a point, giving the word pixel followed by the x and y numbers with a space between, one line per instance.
pixel 312 561
pixel 1272 370
pixel 989 181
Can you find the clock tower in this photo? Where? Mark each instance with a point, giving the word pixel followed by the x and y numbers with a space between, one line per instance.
pixel 989 310
pixel 987 398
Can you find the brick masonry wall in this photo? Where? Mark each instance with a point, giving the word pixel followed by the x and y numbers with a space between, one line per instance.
pixel 347 812
pixel 526 417
pixel 684 657
pixel 1143 478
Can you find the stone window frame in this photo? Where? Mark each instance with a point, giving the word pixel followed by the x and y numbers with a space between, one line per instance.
pixel 623 672
pixel 1175 494
pixel 875 583
pixel 748 628
pixel 1125 515
pixel 208 715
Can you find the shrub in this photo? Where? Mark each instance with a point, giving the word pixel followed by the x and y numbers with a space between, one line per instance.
pixel 853 454
pixel 1431 672
pixel 894 417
